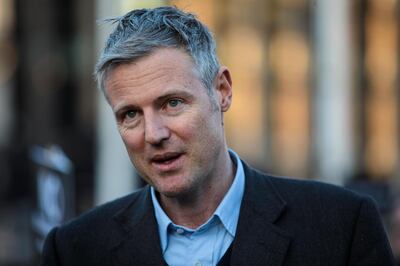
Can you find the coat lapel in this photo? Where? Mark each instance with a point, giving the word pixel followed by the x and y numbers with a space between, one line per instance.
pixel 258 240
pixel 140 243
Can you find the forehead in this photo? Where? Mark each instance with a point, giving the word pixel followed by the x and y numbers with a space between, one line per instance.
pixel 162 70
pixel 162 60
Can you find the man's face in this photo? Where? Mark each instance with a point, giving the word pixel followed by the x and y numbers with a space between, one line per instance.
pixel 171 127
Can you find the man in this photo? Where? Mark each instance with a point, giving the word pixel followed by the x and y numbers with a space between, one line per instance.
pixel 203 206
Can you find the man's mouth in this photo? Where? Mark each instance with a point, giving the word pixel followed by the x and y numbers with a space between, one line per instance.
pixel 166 157
pixel 167 161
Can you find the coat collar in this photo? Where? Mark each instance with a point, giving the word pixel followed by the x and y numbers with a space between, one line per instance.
pixel 258 240
pixel 140 242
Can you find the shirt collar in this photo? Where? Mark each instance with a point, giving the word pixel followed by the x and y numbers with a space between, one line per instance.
pixel 163 220
pixel 229 208
pixel 227 211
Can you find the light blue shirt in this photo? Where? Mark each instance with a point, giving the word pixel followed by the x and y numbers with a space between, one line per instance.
pixel 208 243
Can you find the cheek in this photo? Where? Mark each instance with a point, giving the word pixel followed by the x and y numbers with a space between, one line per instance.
pixel 135 148
pixel 188 128
pixel 133 140
pixel 200 130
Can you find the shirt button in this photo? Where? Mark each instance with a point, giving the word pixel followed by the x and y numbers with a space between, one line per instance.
pixel 197 263
pixel 180 231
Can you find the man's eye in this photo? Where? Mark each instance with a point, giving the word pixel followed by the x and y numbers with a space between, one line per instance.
pixel 174 102
pixel 130 114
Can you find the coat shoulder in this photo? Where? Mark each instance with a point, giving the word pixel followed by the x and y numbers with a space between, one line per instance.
pixel 107 210
pixel 306 186
pixel 293 189
pixel 310 195
pixel 87 239
pixel 325 222
pixel 99 221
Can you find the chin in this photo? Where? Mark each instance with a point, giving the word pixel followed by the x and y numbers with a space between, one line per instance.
pixel 170 194
pixel 173 192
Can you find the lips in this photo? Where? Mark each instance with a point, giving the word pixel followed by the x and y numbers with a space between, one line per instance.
pixel 167 162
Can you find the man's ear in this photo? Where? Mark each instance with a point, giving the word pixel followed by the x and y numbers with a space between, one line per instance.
pixel 224 88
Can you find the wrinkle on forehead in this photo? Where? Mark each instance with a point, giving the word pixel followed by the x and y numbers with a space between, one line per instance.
pixel 140 78
pixel 162 63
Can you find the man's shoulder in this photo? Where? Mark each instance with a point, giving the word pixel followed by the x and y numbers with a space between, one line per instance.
pixel 306 186
pixel 307 191
pixel 91 235
pixel 322 222
pixel 103 216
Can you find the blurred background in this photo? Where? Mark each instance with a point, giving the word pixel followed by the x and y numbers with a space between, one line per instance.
pixel 316 96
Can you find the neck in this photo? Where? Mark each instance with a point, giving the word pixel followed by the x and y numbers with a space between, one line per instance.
pixel 195 208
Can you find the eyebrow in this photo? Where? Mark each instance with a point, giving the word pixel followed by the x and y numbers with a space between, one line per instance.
pixel 158 101
pixel 172 94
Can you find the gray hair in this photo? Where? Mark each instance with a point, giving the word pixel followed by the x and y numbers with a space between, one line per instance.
pixel 141 31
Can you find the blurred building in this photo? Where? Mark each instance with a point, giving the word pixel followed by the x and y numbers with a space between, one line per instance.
pixel 316 95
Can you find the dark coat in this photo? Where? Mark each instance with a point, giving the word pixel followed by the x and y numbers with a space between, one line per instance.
pixel 282 222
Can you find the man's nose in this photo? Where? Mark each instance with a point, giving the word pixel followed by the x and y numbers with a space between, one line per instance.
pixel 156 131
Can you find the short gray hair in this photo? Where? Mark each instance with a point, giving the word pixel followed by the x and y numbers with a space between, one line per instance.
pixel 142 31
